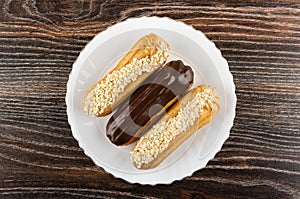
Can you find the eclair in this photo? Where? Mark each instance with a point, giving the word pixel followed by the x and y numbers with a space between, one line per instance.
pixel 196 109
pixel 149 102
pixel 147 55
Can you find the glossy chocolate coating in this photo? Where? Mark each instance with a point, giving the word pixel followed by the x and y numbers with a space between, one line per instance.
pixel 168 82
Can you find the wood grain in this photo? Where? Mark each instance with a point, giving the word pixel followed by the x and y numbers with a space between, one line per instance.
pixel 40 40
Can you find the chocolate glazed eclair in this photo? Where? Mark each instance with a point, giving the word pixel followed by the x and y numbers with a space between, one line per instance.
pixel 149 102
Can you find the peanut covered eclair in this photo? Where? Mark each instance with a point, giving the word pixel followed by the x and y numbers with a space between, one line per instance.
pixel 148 54
pixel 193 111
pixel 148 103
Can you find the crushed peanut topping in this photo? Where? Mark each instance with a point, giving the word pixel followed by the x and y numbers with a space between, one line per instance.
pixel 161 134
pixel 108 89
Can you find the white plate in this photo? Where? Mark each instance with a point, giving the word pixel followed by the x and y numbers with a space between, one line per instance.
pixel 187 44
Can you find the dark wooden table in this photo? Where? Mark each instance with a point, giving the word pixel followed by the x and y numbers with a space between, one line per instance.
pixel 40 40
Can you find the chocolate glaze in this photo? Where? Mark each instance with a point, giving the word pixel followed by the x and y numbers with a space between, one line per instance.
pixel 133 115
